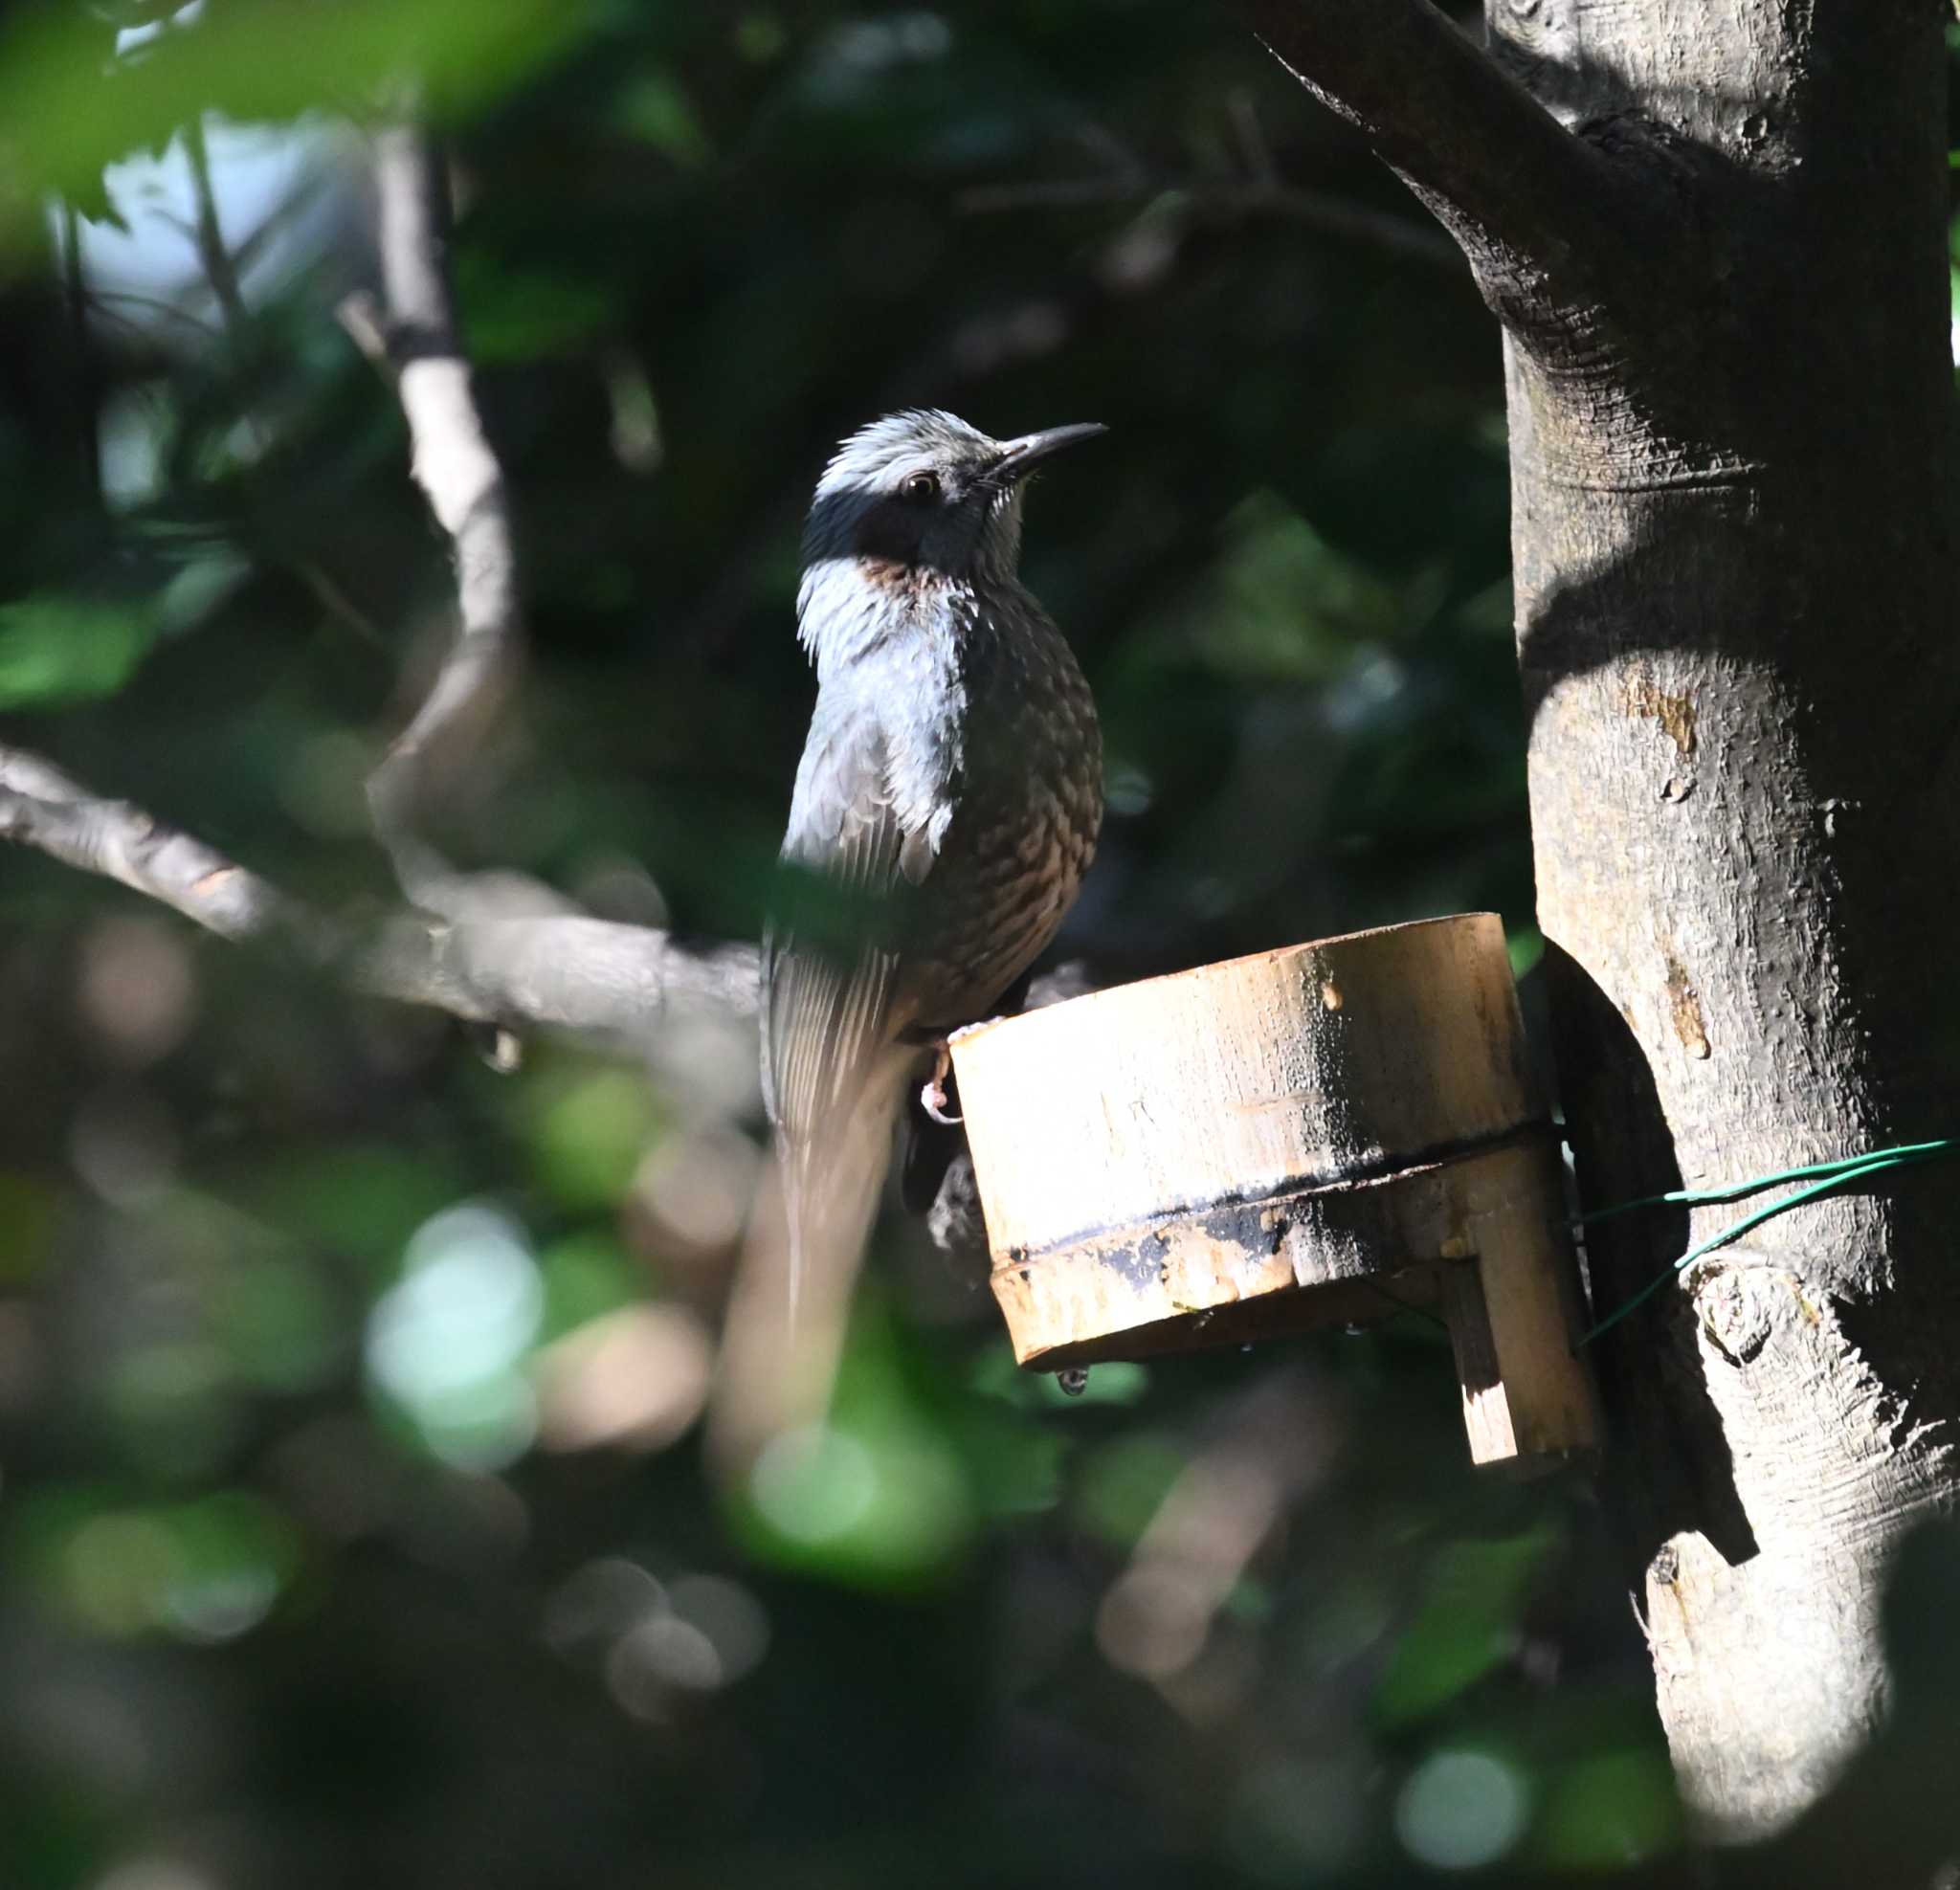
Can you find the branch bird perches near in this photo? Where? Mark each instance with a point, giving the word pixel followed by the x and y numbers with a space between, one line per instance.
pixel 462 944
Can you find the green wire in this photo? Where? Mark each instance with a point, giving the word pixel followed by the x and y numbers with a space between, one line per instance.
pixel 1834 1175
pixel 1735 1190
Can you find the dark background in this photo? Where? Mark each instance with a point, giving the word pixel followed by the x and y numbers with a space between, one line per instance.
pixel 354 1525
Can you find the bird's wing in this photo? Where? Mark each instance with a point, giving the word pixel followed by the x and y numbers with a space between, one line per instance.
pixel 830 961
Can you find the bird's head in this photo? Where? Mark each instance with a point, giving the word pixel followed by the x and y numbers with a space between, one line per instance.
pixel 921 497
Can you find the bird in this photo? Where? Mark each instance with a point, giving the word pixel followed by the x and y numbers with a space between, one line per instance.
pixel 946 809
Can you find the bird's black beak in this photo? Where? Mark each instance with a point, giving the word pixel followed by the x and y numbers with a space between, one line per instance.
pixel 1018 458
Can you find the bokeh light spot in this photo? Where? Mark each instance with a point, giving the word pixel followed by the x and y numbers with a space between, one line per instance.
pixel 447 1342
pixel 815 1483
pixel 1461 1809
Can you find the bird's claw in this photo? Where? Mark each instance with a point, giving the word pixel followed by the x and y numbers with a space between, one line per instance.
pixel 932 1097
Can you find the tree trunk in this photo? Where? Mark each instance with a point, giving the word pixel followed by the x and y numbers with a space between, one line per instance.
pixel 1733 563
pixel 1723 278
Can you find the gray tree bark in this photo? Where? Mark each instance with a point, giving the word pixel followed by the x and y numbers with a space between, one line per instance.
pixel 1734 578
pixel 1724 298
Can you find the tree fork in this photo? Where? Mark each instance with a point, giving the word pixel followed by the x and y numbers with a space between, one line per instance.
pixel 1725 302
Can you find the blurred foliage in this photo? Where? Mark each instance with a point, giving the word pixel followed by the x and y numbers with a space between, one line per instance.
pixel 353 1520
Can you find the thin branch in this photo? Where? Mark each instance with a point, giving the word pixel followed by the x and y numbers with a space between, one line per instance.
pixel 75 285
pixel 40 806
pixel 221 267
pixel 1254 196
pixel 105 302
pixel 208 234
pixel 360 315
pixel 610 982
pixel 500 952
pixel 459 474
pixel 1523 195
pixel 224 264
pixel 339 605
pixel 593 977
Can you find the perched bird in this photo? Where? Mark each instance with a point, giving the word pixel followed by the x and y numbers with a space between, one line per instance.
pixel 946 808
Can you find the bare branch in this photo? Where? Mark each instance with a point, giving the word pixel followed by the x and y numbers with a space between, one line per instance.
pixel 220 271
pixel 77 295
pixel 589 976
pixel 112 303
pixel 41 807
pixel 360 315
pixel 500 949
pixel 593 977
pixel 459 474
pixel 1259 190
pixel 1522 194
pixel 1254 196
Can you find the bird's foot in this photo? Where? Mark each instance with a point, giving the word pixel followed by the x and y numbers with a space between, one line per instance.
pixel 932 1097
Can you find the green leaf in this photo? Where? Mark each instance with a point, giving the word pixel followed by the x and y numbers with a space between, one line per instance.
pixel 123 14
pixel 1609 1811
pixel 89 199
pixel 1278 605
pixel 1466 1626
pixel 362 1199
pixel 590 1131
pixel 655 108
pixel 56 649
pixel 69 110
pixel 517 315
pixel 28 1210
pixel 1124 1484
pixel 204 1571
pixel 587 1275
pixel 202 588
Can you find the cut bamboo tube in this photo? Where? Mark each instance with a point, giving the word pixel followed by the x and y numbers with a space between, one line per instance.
pixel 1331 1132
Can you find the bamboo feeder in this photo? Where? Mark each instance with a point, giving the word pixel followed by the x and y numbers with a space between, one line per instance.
pixel 1325 1134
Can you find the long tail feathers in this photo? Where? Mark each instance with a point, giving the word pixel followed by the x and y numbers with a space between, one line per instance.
pixel 791 1304
pixel 833 1181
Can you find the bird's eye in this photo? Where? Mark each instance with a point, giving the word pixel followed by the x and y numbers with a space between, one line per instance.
pixel 921 486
